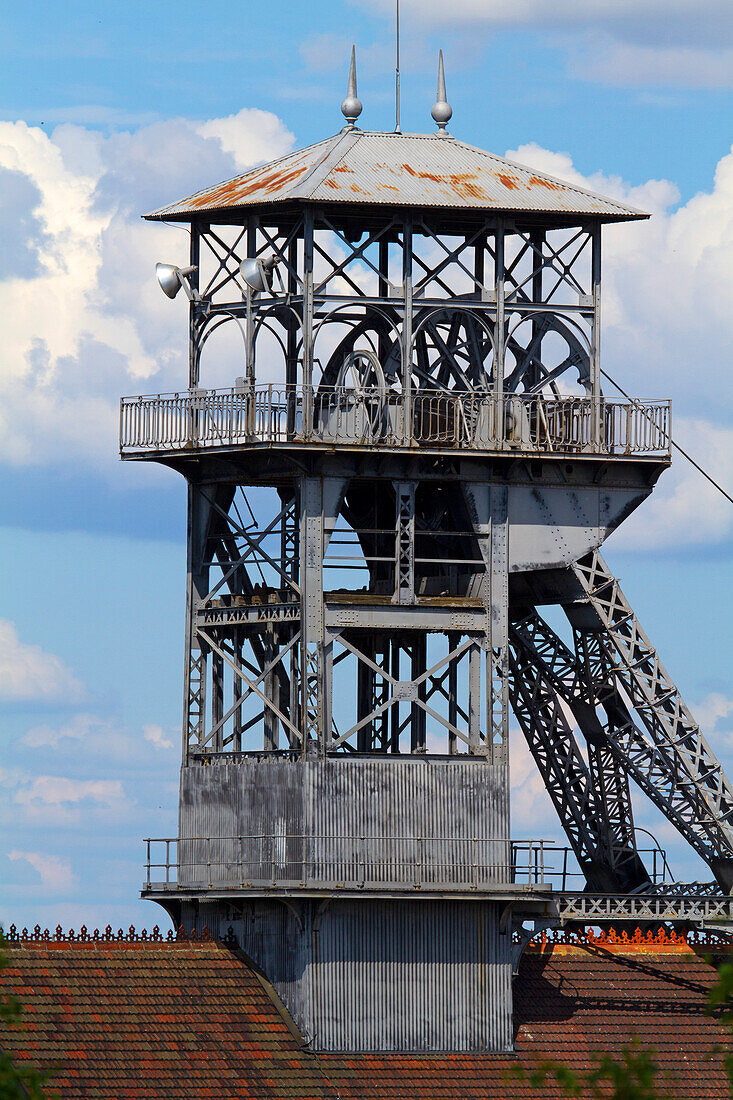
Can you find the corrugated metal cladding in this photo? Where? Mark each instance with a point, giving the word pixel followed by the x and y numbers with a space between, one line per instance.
pixel 456 805
pixel 372 975
pixel 401 170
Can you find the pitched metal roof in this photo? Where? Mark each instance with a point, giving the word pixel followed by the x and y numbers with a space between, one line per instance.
pixel 419 170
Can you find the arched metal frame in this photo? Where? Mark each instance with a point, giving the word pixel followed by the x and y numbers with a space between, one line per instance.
pixel 456 311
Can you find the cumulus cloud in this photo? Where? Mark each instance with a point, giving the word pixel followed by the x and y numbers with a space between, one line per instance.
pixel 55 873
pixel 667 330
pixel 28 673
pixel 63 800
pixel 82 317
pixel 53 790
pixel 156 736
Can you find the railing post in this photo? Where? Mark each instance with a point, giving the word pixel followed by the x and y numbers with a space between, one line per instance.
pixel 148 848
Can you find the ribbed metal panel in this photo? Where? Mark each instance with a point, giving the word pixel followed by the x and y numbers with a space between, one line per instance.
pixel 382 975
pixel 346 820
pixel 461 804
pixel 421 170
pixel 412 976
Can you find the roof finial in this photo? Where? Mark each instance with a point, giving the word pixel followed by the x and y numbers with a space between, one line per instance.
pixel 351 106
pixel 442 111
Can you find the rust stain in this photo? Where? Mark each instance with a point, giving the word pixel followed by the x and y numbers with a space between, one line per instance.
pixel 538 181
pixel 509 181
pixel 343 168
pixel 423 175
pixel 332 184
pixel 464 186
pixel 232 192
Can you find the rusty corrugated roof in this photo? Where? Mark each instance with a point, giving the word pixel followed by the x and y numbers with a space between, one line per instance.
pixel 400 170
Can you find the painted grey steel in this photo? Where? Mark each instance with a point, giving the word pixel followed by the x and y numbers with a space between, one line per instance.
pixel 351 107
pixel 393 170
pixel 371 975
pixel 557 426
pixel 308 863
pixel 599 908
pixel 442 111
pixel 456 811
pixel 695 786
pixel 586 680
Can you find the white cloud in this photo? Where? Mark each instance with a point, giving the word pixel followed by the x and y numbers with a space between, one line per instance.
pixel 685 509
pixel 647 43
pixel 56 874
pixel 55 800
pixel 54 790
pixel 636 20
pixel 249 137
pixel 634 64
pixel 79 728
pixel 89 324
pixel 714 707
pixel 27 672
pixel 667 330
pixel 157 737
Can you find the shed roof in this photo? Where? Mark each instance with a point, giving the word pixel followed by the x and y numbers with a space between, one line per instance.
pixel 415 170
pixel 127 1020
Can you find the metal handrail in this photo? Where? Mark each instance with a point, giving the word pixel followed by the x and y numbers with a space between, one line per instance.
pixel 272 414
pixel 337 861
pixel 305 860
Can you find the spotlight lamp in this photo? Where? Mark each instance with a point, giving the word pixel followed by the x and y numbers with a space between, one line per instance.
pixel 171 279
pixel 258 274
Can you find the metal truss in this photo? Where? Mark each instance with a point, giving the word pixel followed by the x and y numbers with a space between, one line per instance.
pixel 567 778
pixel 605 908
pixel 407 701
pixel 678 767
pixel 612 798
pixel 464 314
pixel 617 748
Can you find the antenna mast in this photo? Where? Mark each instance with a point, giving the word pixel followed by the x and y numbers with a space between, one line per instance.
pixel 397 73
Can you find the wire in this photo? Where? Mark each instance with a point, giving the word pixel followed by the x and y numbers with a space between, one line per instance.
pixel 676 446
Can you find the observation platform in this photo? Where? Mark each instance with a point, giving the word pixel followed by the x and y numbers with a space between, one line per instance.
pixel 534 874
pixel 202 421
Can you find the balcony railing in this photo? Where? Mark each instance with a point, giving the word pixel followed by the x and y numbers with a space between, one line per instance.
pixel 352 863
pixel 208 419
pixel 299 862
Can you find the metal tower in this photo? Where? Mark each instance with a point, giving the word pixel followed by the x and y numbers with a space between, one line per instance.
pixel 415 456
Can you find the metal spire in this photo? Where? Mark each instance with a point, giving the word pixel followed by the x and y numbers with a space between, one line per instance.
pixel 351 106
pixel 442 111
pixel 397 126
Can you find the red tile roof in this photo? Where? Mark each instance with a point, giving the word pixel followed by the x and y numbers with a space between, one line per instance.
pixel 179 1020
pixel 173 1020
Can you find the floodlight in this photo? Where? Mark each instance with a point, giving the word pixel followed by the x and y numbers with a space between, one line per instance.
pixel 172 278
pixel 257 274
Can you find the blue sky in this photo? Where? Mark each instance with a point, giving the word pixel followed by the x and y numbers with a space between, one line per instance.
pixel 110 111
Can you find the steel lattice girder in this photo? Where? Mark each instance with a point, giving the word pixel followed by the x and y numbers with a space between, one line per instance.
pixel 608 779
pixel 537 707
pixel 697 780
pixel 588 678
